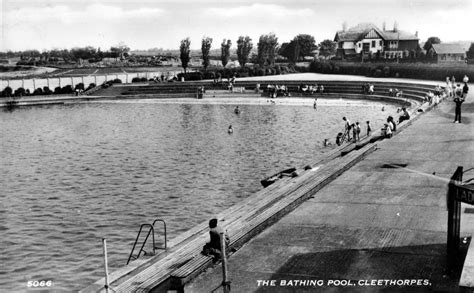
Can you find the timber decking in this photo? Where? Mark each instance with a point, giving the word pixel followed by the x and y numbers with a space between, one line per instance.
pixel 184 261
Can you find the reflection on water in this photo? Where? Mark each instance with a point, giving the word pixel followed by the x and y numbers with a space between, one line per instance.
pixel 72 175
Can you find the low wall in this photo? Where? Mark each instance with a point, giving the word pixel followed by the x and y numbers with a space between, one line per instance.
pixel 54 82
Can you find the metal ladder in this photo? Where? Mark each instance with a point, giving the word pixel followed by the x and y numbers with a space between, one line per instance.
pixel 151 230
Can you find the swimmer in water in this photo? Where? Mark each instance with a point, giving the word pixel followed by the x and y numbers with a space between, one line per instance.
pixel 237 110
pixel 230 130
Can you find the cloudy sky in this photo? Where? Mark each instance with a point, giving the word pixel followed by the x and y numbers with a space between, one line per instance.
pixel 143 24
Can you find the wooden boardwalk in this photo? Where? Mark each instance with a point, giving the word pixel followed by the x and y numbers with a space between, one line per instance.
pixel 373 223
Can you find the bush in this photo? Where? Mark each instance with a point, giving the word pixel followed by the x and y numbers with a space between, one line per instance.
pixel 378 73
pixel 7 92
pixel 190 76
pixel 117 80
pixel 19 92
pixel 208 75
pixel 402 70
pixel 143 79
pixel 47 91
pixel 136 79
pixel 67 89
pixel 79 86
pixel 57 90
pixel 38 92
pixel 91 86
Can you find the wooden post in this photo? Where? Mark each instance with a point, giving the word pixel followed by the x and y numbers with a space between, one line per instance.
pixel 225 281
pixel 106 286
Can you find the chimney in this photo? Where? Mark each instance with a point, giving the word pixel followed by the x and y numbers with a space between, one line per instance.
pixel 395 26
pixel 384 26
pixel 344 26
pixel 416 34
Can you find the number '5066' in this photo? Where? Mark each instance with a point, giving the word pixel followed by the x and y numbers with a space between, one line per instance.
pixel 45 283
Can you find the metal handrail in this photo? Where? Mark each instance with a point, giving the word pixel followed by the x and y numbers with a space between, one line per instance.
pixel 143 244
pixel 164 225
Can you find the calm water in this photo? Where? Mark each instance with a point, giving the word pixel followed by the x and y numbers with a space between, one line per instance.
pixel 72 175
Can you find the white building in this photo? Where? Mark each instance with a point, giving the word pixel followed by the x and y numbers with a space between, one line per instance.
pixel 369 39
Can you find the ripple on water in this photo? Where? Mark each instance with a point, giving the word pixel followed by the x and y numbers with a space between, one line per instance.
pixel 111 167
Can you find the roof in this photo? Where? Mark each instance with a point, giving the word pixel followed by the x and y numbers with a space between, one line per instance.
pixel 358 32
pixel 448 49
pixel 399 35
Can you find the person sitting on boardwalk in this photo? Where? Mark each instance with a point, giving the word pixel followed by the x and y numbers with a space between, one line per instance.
pixel 339 138
pixel 321 89
pixel 386 131
pixel 437 90
pixel 391 123
pixel 371 89
pixel 214 246
pixel 404 116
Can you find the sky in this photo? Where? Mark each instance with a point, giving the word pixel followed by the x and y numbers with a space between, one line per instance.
pixel 144 24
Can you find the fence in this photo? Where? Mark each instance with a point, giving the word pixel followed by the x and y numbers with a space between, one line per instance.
pixel 54 82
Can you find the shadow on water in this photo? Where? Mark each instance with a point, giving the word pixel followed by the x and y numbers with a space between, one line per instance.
pixel 419 262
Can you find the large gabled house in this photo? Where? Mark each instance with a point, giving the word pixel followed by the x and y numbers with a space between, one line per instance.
pixel 369 39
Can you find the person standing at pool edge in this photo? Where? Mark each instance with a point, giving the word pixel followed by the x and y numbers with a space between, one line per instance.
pixel 347 128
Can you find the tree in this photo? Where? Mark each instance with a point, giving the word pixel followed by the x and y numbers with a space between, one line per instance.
pixel 267 49
pixel 290 50
pixel 244 46
pixel 205 48
pixel 470 52
pixel 225 51
pixel 306 44
pixel 327 48
pixel 121 50
pixel 430 41
pixel 83 53
pixel 185 53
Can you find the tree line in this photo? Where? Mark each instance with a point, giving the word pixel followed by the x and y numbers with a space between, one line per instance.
pixel 268 49
pixel 89 53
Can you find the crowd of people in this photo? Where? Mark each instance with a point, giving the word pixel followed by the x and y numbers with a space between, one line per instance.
pixel 276 90
pixel 310 89
pixel 368 89
pixel 395 93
